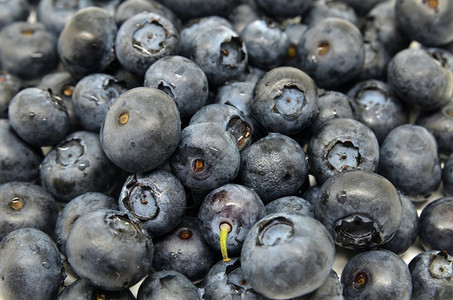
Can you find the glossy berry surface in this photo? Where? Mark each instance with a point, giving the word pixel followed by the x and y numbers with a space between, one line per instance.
pixel 141 121
pixel 39 272
pixel 417 160
pixel 181 79
pixel 360 209
pixel 329 60
pixel 436 225
pixel 233 204
pixel 295 247
pixel 285 100
pixel 206 158
pixel 93 259
pixel 340 145
pixel 20 161
pixel 226 280
pixel 184 250
pixel 274 166
pixel 374 274
pixel 38 50
pixel 74 209
pixel 77 165
pixel 91 98
pixel 38 116
pixel 143 39
pixel 83 289
pixel 168 285
pixel 431 273
pixel 156 198
pixel 26 205
pixel 86 42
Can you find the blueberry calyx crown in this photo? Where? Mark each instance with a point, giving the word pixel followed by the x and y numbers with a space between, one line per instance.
pixel 343 155
pixel 140 199
pixel 441 266
pixel 235 277
pixel 121 224
pixel 357 231
pixel 231 53
pixel 275 231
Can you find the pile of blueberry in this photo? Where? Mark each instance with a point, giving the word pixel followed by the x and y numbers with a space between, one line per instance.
pixel 228 149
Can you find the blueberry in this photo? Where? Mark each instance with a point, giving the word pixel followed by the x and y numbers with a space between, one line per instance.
pixel 86 43
pixel 141 129
pixel 189 9
pixel 266 43
pixel 129 8
pixel 340 145
pixel 220 53
pixel 436 226
pixel 238 94
pixel 331 105
pixel 243 14
pixel 181 79
pixel 311 193
pixel 157 199
pixel 230 119
pixel 360 209
pixel 143 39
pixel 83 289
pixel 91 98
pixel 232 205
pixel 38 50
pixel 374 105
pixel 447 176
pixel 431 273
pixel 77 207
pixel 38 116
pixel 376 61
pixel 196 27
pixel 440 124
pixel 408 158
pixel 61 84
pixel 407 233
pixel 167 285
pixel 274 166
pixel 12 11
pixel 184 250
pixel 285 100
pixel 109 249
pixel 206 158
pixel 294 31
pixel 325 9
pixel 30 266
pixel 291 204
pixel 77 165
pixel 428 22
pixel 285 8
pixel 420 79
pixel 24 205
pixel 362 6
pixel 330 60
pixel 225 280
pixel 376 274
pixel 56 13
pixel 9 86
pixel 331 289
pixel 297 250
pixel 19 161
pixel 380 24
